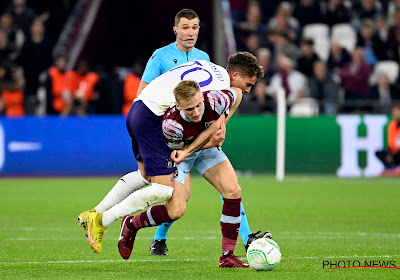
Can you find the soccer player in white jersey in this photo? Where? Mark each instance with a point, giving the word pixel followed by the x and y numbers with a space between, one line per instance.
pixel 122 200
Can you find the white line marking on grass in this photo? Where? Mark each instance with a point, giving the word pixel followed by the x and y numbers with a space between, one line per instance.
pixel 342 257
pixel 280 235
pixel 69 239
pixel 342 234
pixel 179 260
pixel 216 232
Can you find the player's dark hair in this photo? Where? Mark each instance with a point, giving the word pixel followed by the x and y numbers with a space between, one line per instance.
pixel 246 64
pixel 185 90
pixel 185 13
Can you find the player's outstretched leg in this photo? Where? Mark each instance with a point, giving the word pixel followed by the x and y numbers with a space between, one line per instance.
pixel 154 216
pixel 83 219
pixel 95 230
pixel 230 224
pixel 126 185
pixel 159 246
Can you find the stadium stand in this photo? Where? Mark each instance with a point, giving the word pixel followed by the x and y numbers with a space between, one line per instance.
pixel 258 25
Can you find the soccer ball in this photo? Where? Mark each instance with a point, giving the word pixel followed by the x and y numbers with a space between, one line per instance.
pixel 264 254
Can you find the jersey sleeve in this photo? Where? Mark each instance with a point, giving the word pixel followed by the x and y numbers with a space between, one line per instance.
pixel 221 100
pixel 173 134
pixel 153 68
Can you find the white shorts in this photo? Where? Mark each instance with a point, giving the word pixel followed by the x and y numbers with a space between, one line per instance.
pixel 202 161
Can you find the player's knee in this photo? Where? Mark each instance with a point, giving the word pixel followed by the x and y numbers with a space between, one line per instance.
pixel 233 193
pixel 177 212
pixel 147 178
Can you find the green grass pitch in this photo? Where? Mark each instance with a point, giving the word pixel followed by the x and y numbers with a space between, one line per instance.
pixel 312 219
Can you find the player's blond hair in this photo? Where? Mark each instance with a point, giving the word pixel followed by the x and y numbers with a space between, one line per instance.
pixel 185 90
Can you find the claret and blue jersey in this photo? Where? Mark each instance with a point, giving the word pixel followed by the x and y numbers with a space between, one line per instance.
pixel 179 131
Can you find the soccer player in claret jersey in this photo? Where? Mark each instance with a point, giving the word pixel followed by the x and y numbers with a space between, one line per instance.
pixel 193 113
pixel 142 122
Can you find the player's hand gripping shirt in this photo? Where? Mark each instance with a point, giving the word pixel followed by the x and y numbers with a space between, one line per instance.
pixel 158 95
pixel 179 131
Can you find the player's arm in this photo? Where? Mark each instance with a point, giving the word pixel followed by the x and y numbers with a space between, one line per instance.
pixel 218 137
pixel 142 85
pixel 180 155
pixel 232 109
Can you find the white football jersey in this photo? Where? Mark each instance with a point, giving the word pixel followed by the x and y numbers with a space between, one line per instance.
pixel 158 96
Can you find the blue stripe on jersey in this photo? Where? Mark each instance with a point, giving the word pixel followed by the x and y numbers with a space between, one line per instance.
pixel 168 57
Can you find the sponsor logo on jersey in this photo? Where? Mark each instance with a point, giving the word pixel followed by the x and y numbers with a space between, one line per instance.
pixel 170 163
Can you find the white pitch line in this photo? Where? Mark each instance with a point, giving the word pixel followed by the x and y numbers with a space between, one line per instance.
pixel 70 239
pixel 181 260
pixel 281 234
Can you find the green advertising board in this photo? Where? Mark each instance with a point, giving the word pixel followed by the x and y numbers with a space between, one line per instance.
pixel 313 145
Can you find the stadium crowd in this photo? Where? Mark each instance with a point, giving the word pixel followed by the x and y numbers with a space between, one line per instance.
pixel 329 56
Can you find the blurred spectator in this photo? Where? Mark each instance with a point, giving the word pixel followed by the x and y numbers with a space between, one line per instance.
pixel 395 52
pixel 307 11
pixel 264 59
pixel 84 90
pixel 338 58
pixel 252 43
pixel 355 76
pixel 291 81
pixel 7 53
pixel 305 64
pixel 366 9
pixel 282 44
pixel 252 23
pixel 284 22
pixel 392 7
pixel 11 91
pixel 382 29
pixel 372 45
pixel 336 12
pixel 382 94
pixel 324 88
pixel 58 87
pixel 131 86
pixel 23 16
pixel 7 26
pixel 393 35
pixel 391 156
pixel 257 102
pixel 35 57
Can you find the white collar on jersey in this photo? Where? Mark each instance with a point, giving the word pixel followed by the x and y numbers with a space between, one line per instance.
pixel 186 118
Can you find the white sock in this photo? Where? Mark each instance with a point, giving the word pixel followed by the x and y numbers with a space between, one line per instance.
pixel 123 188
pixel 137 201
